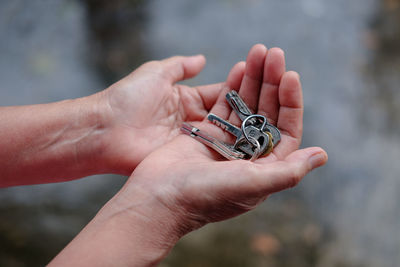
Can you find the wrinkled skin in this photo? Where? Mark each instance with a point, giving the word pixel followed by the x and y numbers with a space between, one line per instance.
pixel 146 109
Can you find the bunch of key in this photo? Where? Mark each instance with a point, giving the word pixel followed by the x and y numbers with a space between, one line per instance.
pixel 256 137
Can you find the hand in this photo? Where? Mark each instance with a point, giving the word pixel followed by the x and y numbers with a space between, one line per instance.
pixel 184 184
pixel 196 185
pixel 145 110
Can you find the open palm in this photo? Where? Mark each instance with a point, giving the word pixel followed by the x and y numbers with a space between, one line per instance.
pixel 200 185
pixel 146 109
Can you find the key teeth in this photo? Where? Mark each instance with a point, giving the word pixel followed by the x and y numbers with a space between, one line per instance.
pixel 214 119
pixel 219 124
pixel 224 149
pixel 238 150
pixel 225 125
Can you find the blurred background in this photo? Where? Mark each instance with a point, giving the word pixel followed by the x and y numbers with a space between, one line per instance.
pixel 348 54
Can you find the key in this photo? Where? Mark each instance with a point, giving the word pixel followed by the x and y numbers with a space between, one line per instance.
pixel 226 125
pixel 242 110
pixel 270 145
pixel 260 122
pixel 275 133
pixel 225 150
pixel 238 105
pixel 254 138
pixel 246 145
pixel 252 133
pixel 242 143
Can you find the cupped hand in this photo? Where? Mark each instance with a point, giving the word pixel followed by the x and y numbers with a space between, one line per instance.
pixel 184 184
pixel 145 110
pixel 196 184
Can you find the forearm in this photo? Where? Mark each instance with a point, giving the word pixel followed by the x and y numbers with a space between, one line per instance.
pixel 50 142
pixel 134 230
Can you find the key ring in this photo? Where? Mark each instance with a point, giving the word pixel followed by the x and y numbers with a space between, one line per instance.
pixel 263 118
pixel 257 150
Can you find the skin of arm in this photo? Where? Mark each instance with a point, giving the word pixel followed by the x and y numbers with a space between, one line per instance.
pixel 108 132
pixel 38 141
pixel 184 185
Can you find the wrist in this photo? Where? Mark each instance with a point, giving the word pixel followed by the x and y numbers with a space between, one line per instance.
pixel 132 229
pixel 143 216
pixel 90 130
pixel 120 145
pixel 51 142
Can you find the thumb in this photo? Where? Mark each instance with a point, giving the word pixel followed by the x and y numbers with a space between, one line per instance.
pixel 289 172
pixel 179 68
pixel 266 178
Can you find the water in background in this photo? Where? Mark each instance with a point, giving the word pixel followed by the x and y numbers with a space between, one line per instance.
pixel 347 52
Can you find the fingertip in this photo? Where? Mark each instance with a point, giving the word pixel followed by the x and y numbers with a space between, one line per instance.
pixel 200 58
pixel 235 75
pixel 275 66
pixel 276 59
pixel 178 68
pixel 292 75
pixel 277 50
pixel 317 158
pixel 255 58
pixel 309 158
pixel 193 65
pixel 258 48
pixel 290 92
pixel 195 61
pixel 238 67
pixel 291 81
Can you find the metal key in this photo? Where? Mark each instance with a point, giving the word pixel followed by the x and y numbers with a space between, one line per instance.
pixel 275 133
pixel 224 149
pixel 242 110
pixel 226 125
pixel 255 137
pixel 246 139
pixel 253 126
pixel 238 105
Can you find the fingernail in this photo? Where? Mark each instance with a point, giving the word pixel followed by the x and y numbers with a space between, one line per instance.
pixel 317 159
